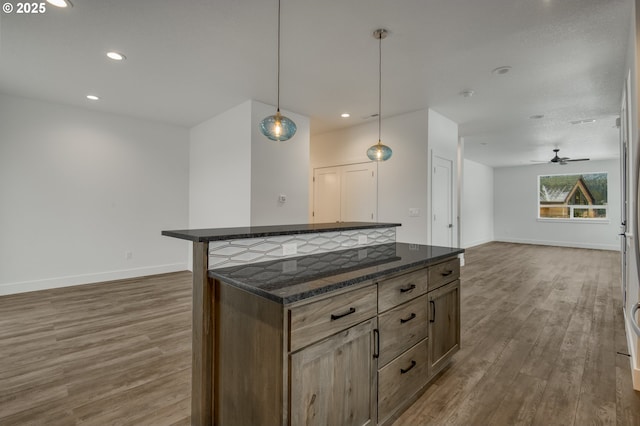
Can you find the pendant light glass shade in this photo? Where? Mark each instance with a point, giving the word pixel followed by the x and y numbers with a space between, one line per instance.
pixel 277 127
pixel 379 152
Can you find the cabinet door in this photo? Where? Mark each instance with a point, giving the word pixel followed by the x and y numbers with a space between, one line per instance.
pixel 334 382
pixel 444 324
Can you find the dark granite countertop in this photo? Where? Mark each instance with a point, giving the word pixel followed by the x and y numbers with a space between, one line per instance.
pixel 215 234
pixel 290 280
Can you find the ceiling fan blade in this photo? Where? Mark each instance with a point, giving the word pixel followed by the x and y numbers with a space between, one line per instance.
pixel 577 159
pixel 539 161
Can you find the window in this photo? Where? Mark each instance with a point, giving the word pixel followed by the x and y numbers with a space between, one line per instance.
pixel 573 197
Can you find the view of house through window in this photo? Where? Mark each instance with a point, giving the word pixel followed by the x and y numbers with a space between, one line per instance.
pixel 581 196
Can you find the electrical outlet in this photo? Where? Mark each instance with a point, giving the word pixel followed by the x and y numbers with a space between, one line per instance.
pixel 362 239
pixel 290 266
pixel 289 249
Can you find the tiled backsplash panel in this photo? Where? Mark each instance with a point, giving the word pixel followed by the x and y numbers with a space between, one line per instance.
pixel 244 251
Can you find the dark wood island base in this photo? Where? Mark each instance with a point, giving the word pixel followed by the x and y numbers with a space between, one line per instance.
pixel 349 336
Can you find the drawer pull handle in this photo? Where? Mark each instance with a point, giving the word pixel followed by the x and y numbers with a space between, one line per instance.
pixel 408 289
pixel 349 312
pixel 412 316
pixel 433 311
pixel 406 370
pixel 376 337
pixel 447 273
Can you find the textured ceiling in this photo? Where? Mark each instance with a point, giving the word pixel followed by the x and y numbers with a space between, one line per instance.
pixel 190 60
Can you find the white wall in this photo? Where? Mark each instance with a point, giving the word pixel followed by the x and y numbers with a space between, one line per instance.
pixel 237 174
pixel 403 181
pixel 220 170
pixel 279 168
pixel 80 188
pixel 477 204
pixel 516 208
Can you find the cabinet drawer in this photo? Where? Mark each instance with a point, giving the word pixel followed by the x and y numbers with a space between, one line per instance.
pixel 401 379
pixel 395 291
pixel 317 320
pixel 443 273
pixel 402 327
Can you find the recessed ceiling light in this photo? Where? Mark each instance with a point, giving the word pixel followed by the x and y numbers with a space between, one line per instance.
pixel 60 3
pixel 116 56
pixel 501 70
pixel 467 93
pixel 589 120
pixel 93 97
pixel 536 116
pixel 345 115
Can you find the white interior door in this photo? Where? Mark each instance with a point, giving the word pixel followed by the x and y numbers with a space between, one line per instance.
pixel 326 195
pixel 358 197
pixel 442 202
pixel 345 193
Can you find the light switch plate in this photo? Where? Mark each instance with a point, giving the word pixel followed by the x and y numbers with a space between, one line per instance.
pixel 414 212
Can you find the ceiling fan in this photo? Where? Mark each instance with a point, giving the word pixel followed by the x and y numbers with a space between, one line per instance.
pixel 560 160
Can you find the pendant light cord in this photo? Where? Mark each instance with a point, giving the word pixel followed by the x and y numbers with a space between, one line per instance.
pixel 278 57
pixel 379 85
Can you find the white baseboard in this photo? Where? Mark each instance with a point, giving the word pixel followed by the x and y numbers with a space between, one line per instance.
pixel 49 283
pixel 561 244
pixel 478 242
pixel 635 371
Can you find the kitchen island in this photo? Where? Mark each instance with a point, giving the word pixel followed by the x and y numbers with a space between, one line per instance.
pixel 317 324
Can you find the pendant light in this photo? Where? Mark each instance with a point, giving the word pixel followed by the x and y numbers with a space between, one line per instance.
pixel 379 151
pixel 277 127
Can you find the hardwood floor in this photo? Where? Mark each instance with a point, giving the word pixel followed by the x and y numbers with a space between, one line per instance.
pixel 542 344
pixel 101 354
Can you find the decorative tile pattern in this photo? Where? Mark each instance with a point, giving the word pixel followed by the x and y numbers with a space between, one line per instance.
pixel 246 251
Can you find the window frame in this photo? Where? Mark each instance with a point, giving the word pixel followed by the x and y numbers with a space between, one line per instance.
pixel 572 207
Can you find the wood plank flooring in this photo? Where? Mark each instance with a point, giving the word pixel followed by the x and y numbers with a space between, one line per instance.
pixel 542 330
pixel 115 353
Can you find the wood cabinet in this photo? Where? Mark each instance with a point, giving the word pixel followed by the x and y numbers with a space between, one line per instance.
pixel 333 382
pixel 314 321
pixel 444 324
pixel 357 356
pixel 419 326
pixel 402 327
pixel 401 379
pixel 403 364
